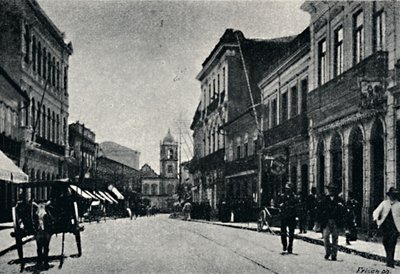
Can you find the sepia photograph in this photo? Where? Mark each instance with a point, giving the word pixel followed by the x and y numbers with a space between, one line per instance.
pixel 199 136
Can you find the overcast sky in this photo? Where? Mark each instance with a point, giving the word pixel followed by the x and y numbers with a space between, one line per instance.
pixel 134 65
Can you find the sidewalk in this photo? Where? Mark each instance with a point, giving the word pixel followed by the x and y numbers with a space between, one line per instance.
pixel 370 250
pixel 7 243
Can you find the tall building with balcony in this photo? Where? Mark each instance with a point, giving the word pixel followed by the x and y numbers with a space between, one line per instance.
pixel 353 99
pixel 228 80
pixel 83 151
pixel 284 89
pixel 34 53
pixel 12 99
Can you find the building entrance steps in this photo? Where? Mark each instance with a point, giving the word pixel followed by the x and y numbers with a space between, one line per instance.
pixel 370 250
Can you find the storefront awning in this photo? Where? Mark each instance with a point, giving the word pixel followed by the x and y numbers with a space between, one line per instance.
pixel 10 171
pixel 105 197
pixel 109 196
pixel 116 192
pixel 91 195
pixel 98 196
pixel 80 192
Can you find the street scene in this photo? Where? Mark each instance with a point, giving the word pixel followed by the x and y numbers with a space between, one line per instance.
pixel 237 136
pixel 162 245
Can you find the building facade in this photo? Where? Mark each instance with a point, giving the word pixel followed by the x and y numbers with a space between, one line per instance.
pixel 228 88
pixel 159 189
pixel 83 152
pixel 353 98
pixel 12 98
pixel 284 89
pixel 34 53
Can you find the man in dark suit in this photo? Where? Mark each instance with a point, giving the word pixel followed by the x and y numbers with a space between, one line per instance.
pixel 287 204
pixel 331 211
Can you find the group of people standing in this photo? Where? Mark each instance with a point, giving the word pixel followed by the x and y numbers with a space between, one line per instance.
pixel 330 214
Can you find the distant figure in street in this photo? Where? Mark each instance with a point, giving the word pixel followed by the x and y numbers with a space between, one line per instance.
pixel 352 206
pixel 187 209
pixel 331 212
pixel 287 204
pixel 387 216
pixel 302 213
pixel 311 204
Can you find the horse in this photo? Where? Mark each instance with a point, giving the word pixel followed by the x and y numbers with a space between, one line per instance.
pixel 42 220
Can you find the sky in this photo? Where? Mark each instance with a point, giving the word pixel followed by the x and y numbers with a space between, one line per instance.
pixel 132 73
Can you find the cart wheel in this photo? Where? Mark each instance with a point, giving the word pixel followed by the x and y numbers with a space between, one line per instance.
pixel 17 234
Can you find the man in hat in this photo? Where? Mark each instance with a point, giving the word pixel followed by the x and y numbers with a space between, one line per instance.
pixel 387 216
pixel 287 204
pixel 330 216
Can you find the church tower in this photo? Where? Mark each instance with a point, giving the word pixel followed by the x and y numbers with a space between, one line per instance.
pixel 169 157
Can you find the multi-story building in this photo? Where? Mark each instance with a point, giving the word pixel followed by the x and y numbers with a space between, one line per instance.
pixel 12 99
pixel 159 189
pixel 34 53
pixel 284 89
pixel 83 151
pixel 229 92
pixel 353 98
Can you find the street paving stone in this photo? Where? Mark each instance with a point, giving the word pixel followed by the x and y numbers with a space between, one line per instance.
pixel 162 245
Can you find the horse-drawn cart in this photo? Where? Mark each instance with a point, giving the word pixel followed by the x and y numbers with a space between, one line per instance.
pixel 35 216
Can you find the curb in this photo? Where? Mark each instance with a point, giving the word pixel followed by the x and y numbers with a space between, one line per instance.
pixel 312 241
pixel 14 246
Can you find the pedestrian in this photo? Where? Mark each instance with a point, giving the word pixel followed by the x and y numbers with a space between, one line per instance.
pixel 352 206
pixel 387 217
pixel 311 204
pixel 287 204
pixel 302 213
pixel 331 212
pixel 187 209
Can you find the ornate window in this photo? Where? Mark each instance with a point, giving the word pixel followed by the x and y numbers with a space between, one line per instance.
pixel 322 62
pixel 338 51
pixel 358 38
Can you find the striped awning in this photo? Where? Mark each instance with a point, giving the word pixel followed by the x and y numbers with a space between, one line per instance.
pixel 11 172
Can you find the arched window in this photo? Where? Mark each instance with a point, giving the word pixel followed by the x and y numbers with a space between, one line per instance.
pixel 53 127
pixel 48 124
pixel 44 64
pixel 53 72
pixel 33 112
pixel 58 75
pixel 49 68
pixel 44 122
pixel 39 58
pixel 27 38
pixel 153 189
pixel 58 129
pixel 39 117
pixel 146 189
pixel 170 153
pixel 34 53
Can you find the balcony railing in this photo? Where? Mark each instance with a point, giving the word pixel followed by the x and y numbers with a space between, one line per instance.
pixel 342 95
pixel 240 165
pixel 210 162
pixel 295 126
pixel 50 146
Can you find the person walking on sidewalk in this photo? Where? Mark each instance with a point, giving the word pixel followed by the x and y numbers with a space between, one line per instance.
pixel 287 204
pixel 387 216
pixel 331 211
